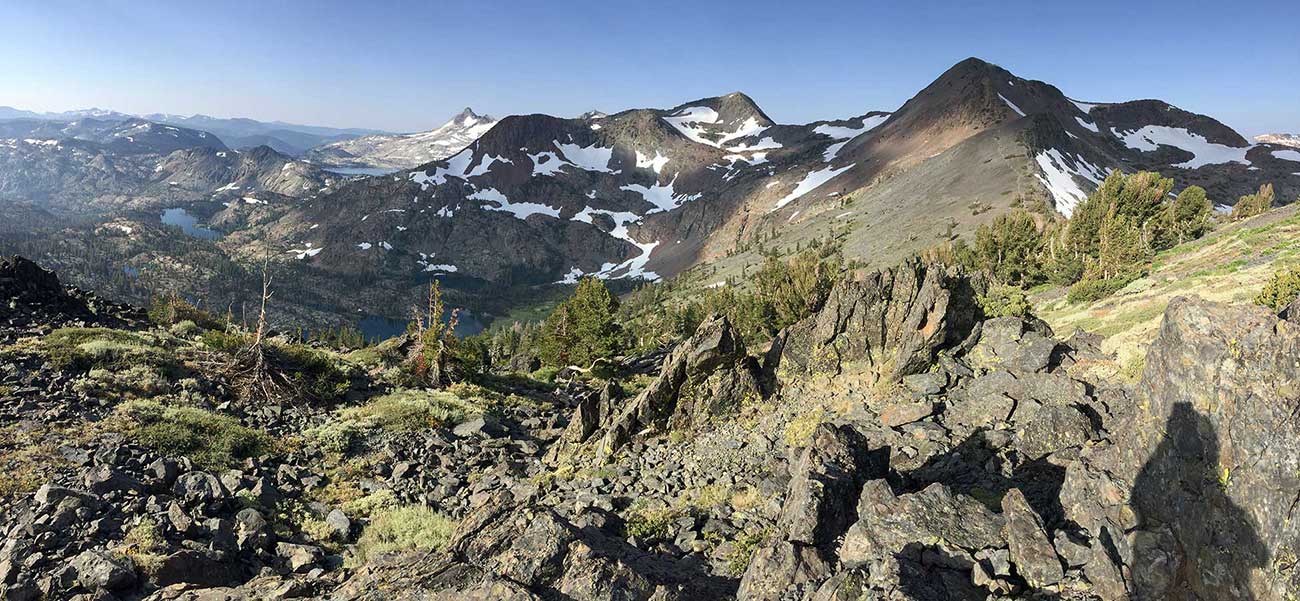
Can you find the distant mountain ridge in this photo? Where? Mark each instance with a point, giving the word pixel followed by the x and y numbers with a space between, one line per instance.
pixel 1292 140
pixel 87 166
pixel 237 133
pixel 407 150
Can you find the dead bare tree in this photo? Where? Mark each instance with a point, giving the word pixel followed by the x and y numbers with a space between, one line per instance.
pixel 251 365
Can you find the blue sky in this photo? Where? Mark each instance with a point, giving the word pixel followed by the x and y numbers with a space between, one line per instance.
pixel 410 65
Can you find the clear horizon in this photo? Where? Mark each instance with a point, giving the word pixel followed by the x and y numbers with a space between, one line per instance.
pixel 406 66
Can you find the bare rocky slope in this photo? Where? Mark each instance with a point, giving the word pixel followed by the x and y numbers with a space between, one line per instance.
pixel 894 445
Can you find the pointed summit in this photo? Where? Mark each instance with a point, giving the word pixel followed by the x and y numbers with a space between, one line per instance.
pixel 467 118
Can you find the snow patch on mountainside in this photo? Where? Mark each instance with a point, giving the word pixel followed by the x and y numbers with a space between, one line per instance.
pixel 546 163
pixel 645 162
pixel 840 132
pixel 690 122
pixel 1203 152
pixel 1287 155
pixel 1086 107
pixel 661 196
pixel 456 167
pixel 1089 126
pixel 631 268
pixel 1012 105
pixel 766 143
pixel 590 158
pixel 809 183
pixel 408 150
pixel 1058 175
pixel 520 209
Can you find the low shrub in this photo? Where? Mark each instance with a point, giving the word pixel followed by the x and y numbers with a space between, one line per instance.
pixel 650 524
pixel 1280 290
pixel 319 375
pixel 172 310
pixel 145 546
pixel 1003 300
pixel 410 410
pixel 407 528
pixel 137 381
pixel 742 551
pixel 336 436
pixel 85 348
pixel 1088 290
pixel 210 440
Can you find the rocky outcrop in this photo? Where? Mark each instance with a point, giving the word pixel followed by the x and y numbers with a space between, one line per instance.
pixel 706 377
pixel 888 323
pixel 1196 498
pixel 33 300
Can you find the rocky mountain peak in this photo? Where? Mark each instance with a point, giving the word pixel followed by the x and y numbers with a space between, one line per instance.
pixel 467 118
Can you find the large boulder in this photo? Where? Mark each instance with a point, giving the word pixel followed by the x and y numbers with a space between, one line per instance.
pixel 1196 497
pixel 887 324
pixel 1030 549
pixel 103 570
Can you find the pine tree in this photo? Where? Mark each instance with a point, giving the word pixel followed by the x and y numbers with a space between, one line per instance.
pixel 1251 205
pixel 594 310
pixel 1122 252
pixel 1010 249
pixel 583 328
pixel 1188 216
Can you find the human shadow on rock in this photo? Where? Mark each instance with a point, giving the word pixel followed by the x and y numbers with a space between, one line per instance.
pixel 1192 541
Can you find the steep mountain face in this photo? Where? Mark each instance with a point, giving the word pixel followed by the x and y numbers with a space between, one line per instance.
pixel 405 151
pixel 566 197
pixel 650 192
pixel 256 169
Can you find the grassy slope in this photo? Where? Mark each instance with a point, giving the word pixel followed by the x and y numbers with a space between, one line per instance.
pixel 1231 264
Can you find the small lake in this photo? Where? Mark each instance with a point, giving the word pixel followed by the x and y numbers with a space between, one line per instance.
pixel 360 170
pixel 377 328
pixel 188 223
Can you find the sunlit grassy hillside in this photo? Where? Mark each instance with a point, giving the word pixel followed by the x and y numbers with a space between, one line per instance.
pixel 1231 264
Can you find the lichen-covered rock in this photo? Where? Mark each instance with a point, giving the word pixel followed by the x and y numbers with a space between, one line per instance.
pixel 819 506
pixel 1030 549
pixel 1013 344
pixel 888 523
pixel 1051 429
pixel 1197 492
